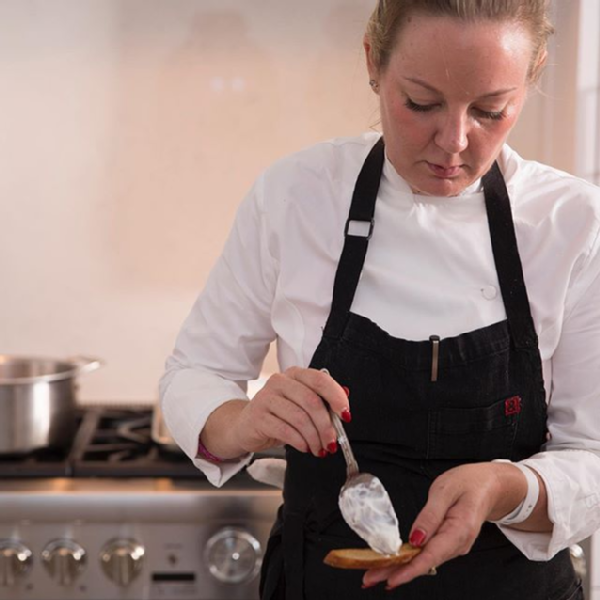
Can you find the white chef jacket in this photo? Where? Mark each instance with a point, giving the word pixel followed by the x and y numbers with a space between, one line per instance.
pixel 429 270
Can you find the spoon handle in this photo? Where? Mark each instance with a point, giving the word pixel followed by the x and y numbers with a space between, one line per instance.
pixel 342 439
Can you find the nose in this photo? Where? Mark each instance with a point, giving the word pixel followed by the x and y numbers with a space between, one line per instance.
pixel 452 133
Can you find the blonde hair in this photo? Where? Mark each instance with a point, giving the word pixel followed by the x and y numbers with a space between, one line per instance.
pixel 389 17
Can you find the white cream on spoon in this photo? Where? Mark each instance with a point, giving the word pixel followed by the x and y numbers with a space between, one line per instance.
pixel 367 508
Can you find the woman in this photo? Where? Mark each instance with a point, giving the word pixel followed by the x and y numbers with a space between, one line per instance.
pixel 463 348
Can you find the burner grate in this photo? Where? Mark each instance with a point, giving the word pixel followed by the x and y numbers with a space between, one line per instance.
pixel 118 443
pixel 109 442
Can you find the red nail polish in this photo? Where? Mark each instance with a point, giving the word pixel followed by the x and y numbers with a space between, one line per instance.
pixel 347 390
pixel 322 453
pixel 332 447
pixel 417 537
pixel 346 416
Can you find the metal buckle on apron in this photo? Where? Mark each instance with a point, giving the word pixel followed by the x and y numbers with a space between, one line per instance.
pixel 435 356
pixel 356 228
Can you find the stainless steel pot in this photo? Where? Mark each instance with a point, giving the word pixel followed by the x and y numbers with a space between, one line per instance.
pixel 38 398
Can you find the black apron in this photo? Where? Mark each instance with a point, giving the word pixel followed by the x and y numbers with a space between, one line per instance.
pixel 414 417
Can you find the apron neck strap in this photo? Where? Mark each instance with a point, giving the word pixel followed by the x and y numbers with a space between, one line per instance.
pixel 358 231
pixel 508 260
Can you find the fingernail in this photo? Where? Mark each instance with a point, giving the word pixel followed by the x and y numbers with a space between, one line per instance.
pixel 322 453
pixel 332 447
pixel 417 537
pixel 347 390
pixel 366 586
pixel 346 416
pixel 389 588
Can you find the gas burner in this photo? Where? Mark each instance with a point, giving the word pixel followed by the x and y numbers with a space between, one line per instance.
pixel 114 436
pixel 118 443
pixel 136 429
pixel 109 442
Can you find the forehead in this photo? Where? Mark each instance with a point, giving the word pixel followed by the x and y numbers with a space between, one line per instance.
pixel 479 54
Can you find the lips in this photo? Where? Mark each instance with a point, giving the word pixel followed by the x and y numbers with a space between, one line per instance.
pixel 445 172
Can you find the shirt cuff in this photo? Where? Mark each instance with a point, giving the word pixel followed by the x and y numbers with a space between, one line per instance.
pixel 185 412
pixel 570 477
pixel 219 474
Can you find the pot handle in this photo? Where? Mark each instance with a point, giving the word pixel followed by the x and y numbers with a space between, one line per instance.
pixel 85 364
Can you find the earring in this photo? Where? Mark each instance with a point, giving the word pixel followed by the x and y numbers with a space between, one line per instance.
pixel 374 85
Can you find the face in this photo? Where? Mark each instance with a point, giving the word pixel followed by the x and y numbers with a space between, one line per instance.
pixel 449 97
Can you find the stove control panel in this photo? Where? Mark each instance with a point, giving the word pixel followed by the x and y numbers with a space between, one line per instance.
pixel 158 546
pixel 183 562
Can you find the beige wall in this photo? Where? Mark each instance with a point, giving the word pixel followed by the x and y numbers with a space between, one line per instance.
pixel 130 131
pixel 546 130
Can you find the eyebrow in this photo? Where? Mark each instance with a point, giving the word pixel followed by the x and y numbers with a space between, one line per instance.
pixel 436 91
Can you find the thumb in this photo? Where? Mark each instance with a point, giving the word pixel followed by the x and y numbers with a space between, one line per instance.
pixel 430 518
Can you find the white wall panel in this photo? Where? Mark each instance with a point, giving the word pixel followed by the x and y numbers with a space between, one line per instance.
pixel 130 131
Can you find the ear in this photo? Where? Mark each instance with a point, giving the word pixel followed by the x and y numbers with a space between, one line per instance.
pixel 539 65
pixel 371 67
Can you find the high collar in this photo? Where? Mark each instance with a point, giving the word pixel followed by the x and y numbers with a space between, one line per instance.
pixel 399 184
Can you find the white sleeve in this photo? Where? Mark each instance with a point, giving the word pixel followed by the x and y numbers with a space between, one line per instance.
pixel 570 462
pixel 225 338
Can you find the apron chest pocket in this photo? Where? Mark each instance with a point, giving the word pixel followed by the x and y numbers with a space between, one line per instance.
pixel 474 434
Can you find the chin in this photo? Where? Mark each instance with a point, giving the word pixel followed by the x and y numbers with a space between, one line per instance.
pixel 442 187
pixel 436 186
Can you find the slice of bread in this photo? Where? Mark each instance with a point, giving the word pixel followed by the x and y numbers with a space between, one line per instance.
pixel 365 558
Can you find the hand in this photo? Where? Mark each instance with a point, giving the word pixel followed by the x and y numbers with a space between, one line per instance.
pixel 460 501
pixel 289 409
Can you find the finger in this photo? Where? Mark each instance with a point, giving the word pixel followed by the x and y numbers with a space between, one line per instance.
pixel 324 385
pixel 448 543
pixel 396 575
pixel 296 412
pixel 442 496
pixel 312 405
pixel 420 565
pixel 276 428
pixel 323 389
pixel 374 576
pixel 415 568
pixel 453 538
pixel 458 532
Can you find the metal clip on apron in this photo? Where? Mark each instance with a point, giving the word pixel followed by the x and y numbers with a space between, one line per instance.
pixel 486 401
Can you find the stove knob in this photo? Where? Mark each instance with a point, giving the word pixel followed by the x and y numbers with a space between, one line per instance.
pixel 15 561
pixel 64 560
pixel 233 555
pixel 122 560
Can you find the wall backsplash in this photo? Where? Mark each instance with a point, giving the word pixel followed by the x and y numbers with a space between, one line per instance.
pixel 130 132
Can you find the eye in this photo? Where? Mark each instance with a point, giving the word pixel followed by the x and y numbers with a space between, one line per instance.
pixel 491 115
pixel 484 114
pixel 418 107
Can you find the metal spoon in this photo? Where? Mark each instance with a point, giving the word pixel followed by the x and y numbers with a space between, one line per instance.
pixel 364 502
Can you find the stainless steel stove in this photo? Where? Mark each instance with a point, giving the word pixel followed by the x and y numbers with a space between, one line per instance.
pixel 115 516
